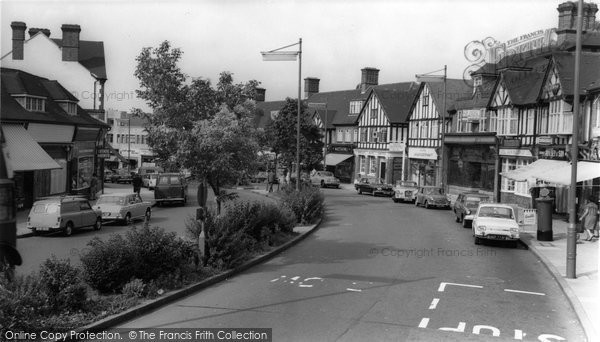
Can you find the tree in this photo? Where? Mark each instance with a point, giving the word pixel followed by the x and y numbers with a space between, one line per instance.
pixel 193 125
pixel 283 141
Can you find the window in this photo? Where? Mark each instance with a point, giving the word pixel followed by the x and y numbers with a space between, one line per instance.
pixel 109 138
pixel 530 119
pixel 414 129
pixel 374 113
pixel 363 166
pixel 372 165
pixel 355 107
pixel 493 121
pixel 424 129
pixel 435 132
pixel 508 165
pixel 347 135
pixel 340 135
pixel 507 121
pixel 543 120
pixel 425 99
pixel 595 119
pixel 363 135
pixel 32 104
pixel 560 117
pixel 355 131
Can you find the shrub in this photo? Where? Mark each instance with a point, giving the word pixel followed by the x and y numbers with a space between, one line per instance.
pixel 135 288
pixel 63 285
pixel 228 244
pixel 107 266
pixel 21 302
pixel 307 204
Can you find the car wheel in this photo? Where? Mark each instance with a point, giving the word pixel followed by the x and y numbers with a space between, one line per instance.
pixel 477 241
pixel 360 191
pixel 98 224
pixel 456 218
pixel 148 214
pixel 514 244
pixel 68 231
pixel 128 219
pixel 416 203
pixel 322 184
pixel 395 200
pixel 465 223
pixel 426 205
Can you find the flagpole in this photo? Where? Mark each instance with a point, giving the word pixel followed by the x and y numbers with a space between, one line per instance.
pixel 298 118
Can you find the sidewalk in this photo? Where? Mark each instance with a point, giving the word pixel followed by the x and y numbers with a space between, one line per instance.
pixel 582 291
pixel 22 230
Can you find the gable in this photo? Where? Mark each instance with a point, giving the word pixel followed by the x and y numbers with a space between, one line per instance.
pixel 501 96
pixel 552 86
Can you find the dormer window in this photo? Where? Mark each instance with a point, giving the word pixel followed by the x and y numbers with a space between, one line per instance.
pixel 32 103
pixel 355 107
pixel 69 107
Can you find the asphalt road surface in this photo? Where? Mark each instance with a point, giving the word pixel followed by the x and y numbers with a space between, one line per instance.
pixel 381 271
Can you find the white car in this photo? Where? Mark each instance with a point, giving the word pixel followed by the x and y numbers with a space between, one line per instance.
pixel 124 207
pixel 405 191
pixel 324 179
pixel 495 221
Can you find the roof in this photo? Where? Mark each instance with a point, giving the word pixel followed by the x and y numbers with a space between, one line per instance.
pixel 91 56
pixel 589 71
pixel 455 89
pixel 263 112
pixel 15 82
pixel 397 99
pixel 524 87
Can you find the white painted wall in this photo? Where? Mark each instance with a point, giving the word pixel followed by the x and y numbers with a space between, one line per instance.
pixel 42 57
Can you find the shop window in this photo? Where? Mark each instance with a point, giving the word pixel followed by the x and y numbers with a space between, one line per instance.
pixel 508 184
pixel 595 119
pixel 355 131
pixel 363 167
pixel 372 165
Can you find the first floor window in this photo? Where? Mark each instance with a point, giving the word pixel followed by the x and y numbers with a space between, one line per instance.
pixel 508 165
pixel 493 122
pixel 340 135
pixel 543 120
pixel 372 165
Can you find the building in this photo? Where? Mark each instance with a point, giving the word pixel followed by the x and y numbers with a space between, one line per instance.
pixel 51 140
pixel 427 122
pixel 128 141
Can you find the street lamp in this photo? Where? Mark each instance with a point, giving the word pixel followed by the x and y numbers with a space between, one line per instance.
pixel 277 55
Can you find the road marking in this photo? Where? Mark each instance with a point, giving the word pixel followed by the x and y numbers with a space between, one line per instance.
pixel 443 286
pixel 526 292
pixel 477 330
pixel 460 328
pixel 434 303
pixel 424 322
pixel 276 279
pixel 353 290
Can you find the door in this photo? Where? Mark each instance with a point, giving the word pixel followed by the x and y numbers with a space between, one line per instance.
pixel 88 216
pixel 382 171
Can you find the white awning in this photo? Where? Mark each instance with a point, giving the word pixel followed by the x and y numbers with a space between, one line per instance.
pixel 530 171
pixel 24 153
pixel 562 175
pixel 336 158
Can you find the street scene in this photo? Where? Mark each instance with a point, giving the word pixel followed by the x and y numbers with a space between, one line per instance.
pixel 300 171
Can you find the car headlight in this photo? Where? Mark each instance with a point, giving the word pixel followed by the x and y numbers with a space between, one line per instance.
pixel 378 189
pixel 468 212
pixel 514 230
pixel 481 228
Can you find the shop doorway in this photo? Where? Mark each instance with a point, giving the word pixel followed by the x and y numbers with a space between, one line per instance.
pixel 382 170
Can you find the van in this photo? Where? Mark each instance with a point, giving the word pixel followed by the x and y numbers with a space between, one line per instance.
pixel 64 214
pixel 170 187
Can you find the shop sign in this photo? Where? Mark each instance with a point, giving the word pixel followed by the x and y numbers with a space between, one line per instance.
pixel 422 153
pixel 558 153
pixel 514 142
pixel 513 152
pixel 590 153
pixel 340 149
pixel 472 114
pixel 544 140
pixel 396 147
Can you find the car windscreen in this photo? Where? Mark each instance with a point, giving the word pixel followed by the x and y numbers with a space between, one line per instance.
pixel 174 180
pixel 111 200
pixel 46 208
pixel 434 191
pixel 473 202
pixel 497 212
pixel 326 174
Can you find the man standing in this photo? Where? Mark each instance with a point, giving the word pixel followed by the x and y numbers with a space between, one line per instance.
pixel 589 219
pixel 93 187
pixel 136 181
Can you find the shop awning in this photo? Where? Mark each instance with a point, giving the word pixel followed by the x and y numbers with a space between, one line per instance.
pixel 336 158
pixel 25 153
pixel 562 175
pixel 117 154
pixel 532 170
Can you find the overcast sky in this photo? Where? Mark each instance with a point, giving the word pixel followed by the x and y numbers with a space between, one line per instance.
pixel 401 38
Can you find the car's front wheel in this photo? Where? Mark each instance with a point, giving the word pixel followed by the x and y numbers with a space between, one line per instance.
pixel 148 214
pixel 68 231
pixel 322 184
pixel 426 205
pixel 128 219
pixel 465 223
pixel 98 224
pixel 477 240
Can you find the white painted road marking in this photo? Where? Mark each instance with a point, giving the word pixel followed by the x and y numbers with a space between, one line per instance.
pixel 460 328
pixel 434 303
pixel 526 292
pixel 424 322
pixel 353 290
pixel 443 286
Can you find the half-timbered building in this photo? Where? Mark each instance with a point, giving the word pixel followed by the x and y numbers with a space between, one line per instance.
pixel 383 132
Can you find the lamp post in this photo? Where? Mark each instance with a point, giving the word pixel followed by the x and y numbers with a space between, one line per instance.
pixel 278 55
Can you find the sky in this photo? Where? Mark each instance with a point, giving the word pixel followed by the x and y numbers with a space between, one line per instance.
pixel 339 38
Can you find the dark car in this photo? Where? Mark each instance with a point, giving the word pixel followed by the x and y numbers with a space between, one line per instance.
pixel 466 205
pixel 63 214
pixel 373 186
pixel 432 196
pixel 170 187
pixel 121 176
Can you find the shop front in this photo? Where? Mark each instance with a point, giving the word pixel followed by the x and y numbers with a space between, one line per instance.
pixel 387 165
pixel 423 165
pixel 340 160
pixel 512 191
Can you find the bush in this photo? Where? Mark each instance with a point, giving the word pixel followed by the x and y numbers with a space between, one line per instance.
pixel 107 266
pixel 63 285
pixel 21 302
pixel 307 204
pixel 228 244
pixel 135 288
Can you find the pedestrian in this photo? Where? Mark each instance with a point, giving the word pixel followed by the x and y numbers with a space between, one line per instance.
pixel 136 181
pixel 93 186
pixel 589 218
pixel 271 180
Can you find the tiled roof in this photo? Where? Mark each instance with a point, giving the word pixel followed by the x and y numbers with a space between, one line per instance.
pixel 91 56
pixel 456 89
pixel 589 71
pixel 397 99
pixel 20 82
pixel 339 102
pixel 263 112
pixel 524 87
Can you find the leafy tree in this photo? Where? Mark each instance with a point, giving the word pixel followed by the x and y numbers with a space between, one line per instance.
pixel 282 136
pixel 194 125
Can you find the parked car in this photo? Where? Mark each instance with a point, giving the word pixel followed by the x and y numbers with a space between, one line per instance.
pixel 108 175
pixel 324 179
pixel 124 207
pixel 149 180
pixel 373 186
pixel 466 205
pixel 66 214
pixel 170 187
pixel 405 191
pixel 149 175
pixel 432 196
pixel 121 176
pixel 495 221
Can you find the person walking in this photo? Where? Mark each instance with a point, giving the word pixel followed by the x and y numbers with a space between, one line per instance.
pixel 589 218
pixel 271 180
pixel 93 187
pixel 136 181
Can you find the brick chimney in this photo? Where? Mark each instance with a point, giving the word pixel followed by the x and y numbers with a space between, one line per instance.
pixel 567 19
pixel 70 42
pixel 260 94
pixel 311 86
pixel 369 77
pixel 18 39
pixel 34 30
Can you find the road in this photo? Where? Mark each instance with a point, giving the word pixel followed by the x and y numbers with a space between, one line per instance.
pixel 172 218
pixel 381 271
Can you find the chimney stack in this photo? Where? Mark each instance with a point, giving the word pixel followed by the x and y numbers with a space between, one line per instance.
pixel 369 77
pixel 260 94
pixel 18 39
pixel 311 86
pixel 34 30
pixel 70 42
pixel 567 20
